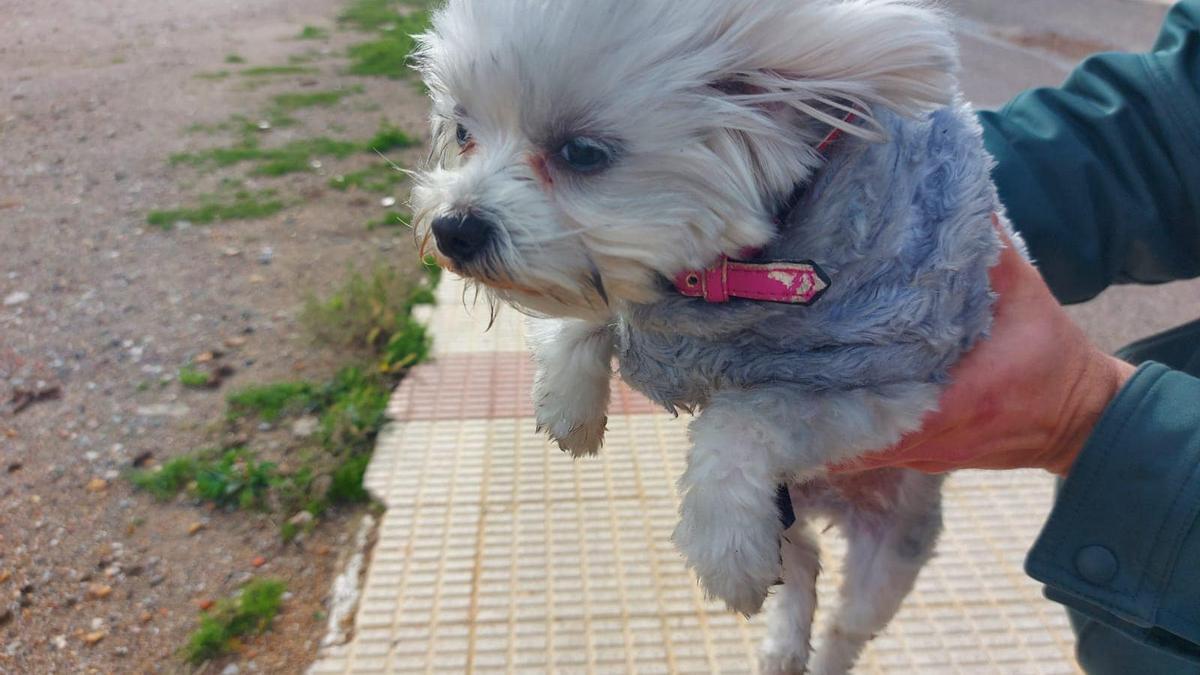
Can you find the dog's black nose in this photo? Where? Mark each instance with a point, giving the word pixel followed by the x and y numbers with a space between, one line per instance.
pixel 462 237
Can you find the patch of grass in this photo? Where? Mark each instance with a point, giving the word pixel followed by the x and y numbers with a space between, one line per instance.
pixel 249 612
pixel 389 138
pixel 272 401
pixel 236 479
pixel 313 33
pixel 291 102
pixel 391 219
pixel 379 178
pixel 395 22
pixel 218 75
pixel 242 205
pixel 292 157
pixel 192 378
pixel 167 480
pixel 234 58
pixel 267 71
pixel 353 411
pixel 372 314
pixel 347 486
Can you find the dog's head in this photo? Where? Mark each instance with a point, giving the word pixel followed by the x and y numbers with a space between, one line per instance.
pixel 586 149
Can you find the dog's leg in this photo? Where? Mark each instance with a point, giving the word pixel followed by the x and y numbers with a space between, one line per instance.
pixel 789 629
pixel 729 529
pixel 883 559
pixel 572 387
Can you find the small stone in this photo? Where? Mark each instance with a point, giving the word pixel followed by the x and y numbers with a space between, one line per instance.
pixel 4 576
pixel 97 485
pixel 13 299
pixel 235 342
pixel 264 125
pixel 206 357
pixel 387 202
pixel 145 617
pixel 305 427
pixel 14 467
pixel 59 641
pixel 121 652
pixel 205 604
pixel 258 561
pixel 266 255
pixel 230 252
pixel 195 527
pixel 99 591
pixel 301 519
pixel 231 669
pixel 94 637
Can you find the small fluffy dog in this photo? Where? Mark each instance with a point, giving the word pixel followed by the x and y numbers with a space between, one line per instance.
pixel 775 214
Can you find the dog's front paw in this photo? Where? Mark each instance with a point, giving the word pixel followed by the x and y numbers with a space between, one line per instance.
pixel 778 659
pixel 583 439
pixel 736 564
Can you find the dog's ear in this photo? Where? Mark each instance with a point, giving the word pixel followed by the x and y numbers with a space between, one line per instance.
pixel 825 56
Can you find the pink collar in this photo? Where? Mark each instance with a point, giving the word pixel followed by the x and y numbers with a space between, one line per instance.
pixel 797 283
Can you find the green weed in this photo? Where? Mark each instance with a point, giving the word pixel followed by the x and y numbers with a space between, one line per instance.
pixel 236 479
pixel 391 219
pixel 218 75
pixel 313 33
pixel 272 401
pixel 192 378
pixel 168 480
pixel 380 178
pixel 390 138
pixel 347 486
pixel 368 313
pixel 249 612
pixel 292 157
pixel 242 205
pixel 287 103
pixel 234 58
pixel 395 23
pixel 267 71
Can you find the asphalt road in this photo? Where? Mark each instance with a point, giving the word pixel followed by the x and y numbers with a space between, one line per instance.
pixel 1012 45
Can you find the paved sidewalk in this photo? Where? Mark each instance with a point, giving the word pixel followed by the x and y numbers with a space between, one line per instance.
pixel 500 554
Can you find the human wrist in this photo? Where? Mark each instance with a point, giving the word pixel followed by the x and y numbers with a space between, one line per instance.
pixel 1103 379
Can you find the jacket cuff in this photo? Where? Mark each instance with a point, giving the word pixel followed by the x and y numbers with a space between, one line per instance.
pixel 1119 545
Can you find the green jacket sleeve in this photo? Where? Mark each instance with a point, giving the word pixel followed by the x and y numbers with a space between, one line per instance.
pixel 1102 176
pixel 1122 544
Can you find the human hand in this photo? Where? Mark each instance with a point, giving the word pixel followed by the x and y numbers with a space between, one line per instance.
pixel 1027 397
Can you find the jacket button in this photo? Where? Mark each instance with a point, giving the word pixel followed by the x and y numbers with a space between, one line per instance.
pixel 1096 564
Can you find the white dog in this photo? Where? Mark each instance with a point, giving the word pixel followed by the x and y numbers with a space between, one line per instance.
pixel 774 213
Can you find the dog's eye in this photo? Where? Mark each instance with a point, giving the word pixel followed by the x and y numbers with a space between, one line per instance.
pixel 585 155
pixel 463 136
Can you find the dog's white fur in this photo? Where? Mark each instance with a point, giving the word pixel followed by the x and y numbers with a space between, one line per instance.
pixel 712 110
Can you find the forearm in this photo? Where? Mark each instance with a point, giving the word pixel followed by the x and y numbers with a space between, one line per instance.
pixel 1100 175
pixel 1122 543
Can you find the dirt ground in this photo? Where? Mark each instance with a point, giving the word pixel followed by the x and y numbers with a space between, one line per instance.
pixel 99 309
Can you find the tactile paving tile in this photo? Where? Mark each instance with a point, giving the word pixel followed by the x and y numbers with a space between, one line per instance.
pixel 499 554
pixel 462 322
pixel 485 386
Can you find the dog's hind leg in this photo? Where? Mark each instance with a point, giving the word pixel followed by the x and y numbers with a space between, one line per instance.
pixel 886 550
pixel 789 627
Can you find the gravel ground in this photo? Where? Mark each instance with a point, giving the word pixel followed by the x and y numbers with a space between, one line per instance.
pixel 96 308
